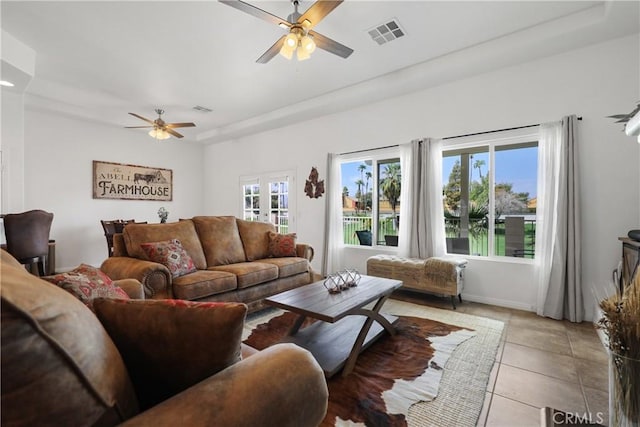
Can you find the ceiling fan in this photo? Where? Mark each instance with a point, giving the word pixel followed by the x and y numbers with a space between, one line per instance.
pixel 300 37
pixel 161 129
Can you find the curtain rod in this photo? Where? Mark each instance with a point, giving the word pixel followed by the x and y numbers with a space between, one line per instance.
pixel 448 137
pixel 370 149
pixel 493 131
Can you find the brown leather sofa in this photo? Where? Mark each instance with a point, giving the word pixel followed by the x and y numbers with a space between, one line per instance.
pixel 60 366
pixel 231 255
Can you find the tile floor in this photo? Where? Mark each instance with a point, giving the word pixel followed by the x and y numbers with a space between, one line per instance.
pixel 540 362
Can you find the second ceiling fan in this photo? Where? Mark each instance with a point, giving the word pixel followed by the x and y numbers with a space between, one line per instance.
pixel 300 38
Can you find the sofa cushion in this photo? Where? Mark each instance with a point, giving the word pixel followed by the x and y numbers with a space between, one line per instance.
pixel 137 234
pixel 288 266
pixel 57 359
pixel 171 254
pixel 209 333
pixel 220 239
pixel 281 245
pixel 203 283
pixel 250 273
pixel 87 283
pixel 255 238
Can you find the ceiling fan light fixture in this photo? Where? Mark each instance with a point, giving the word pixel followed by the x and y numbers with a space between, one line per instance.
pixel 291 41
pixel 159 134
pixel 308 44
pixel 286 51
pixel 302 54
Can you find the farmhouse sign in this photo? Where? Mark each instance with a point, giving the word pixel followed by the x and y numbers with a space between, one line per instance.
pixel 131 182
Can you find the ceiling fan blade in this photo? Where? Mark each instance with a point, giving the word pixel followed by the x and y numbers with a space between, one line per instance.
pixel 257 12
pixel 173 132
pixel 329 45
pixel 317 12
pixel 180 125
pixel 142 118
pixel 137 127
pixel 272 51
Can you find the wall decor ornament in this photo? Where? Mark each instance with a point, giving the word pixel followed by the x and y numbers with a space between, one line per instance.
pixel 131 182
pixel 313 187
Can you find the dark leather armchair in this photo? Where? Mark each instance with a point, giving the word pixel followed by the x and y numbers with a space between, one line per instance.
pixel 27 235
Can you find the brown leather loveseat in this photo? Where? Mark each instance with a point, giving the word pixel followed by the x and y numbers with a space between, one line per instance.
pixel 233 258
pixel 142 363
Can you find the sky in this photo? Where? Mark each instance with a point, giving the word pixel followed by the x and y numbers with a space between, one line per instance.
pixel 350 174
pixel 518 167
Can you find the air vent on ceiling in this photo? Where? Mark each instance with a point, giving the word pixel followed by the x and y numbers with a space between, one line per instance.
pixel 202 109
pixel 386 32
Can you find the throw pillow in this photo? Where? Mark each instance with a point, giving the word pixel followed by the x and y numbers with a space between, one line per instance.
pixel 87 283
pixel 172 255
pixel 282 245
pixel 170 345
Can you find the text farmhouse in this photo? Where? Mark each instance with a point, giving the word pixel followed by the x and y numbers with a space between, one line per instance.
pixel 131 182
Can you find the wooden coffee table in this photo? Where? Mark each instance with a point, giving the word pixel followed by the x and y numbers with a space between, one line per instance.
pixel 346 327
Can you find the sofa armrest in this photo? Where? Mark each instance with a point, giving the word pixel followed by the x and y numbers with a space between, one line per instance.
pixel 282 385
pixel 155 278
pixel 132 287
pixel 305 251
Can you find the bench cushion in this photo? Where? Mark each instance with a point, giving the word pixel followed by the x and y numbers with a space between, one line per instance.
pixel 440 275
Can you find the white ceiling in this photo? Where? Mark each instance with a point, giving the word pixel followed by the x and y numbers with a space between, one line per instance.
pixel 100 60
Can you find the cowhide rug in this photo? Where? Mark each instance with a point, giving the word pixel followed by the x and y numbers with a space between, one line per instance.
pixel 391 375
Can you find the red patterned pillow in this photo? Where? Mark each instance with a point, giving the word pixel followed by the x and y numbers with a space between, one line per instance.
pixel 87 283
pixel 282 245
pixel 172 255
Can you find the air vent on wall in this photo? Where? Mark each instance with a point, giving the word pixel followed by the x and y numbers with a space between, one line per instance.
pixel 386 32
pixel 202 109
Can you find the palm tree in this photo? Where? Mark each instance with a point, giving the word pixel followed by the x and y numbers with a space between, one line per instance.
pixel 362 168
pixel 391 186
pixel 478 165
pixel 366 188
pixel 360 184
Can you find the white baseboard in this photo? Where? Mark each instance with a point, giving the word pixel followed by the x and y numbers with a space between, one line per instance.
pixel 498 302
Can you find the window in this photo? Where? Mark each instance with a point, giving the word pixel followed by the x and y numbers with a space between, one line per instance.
pixel 275 206
pixel 371 199
pixel 489 196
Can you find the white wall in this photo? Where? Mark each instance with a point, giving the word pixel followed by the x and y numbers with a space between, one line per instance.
pixel 58 178
pixel 592 82
pixel 12 146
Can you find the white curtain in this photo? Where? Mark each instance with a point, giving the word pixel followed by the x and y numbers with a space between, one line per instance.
pixel 558 223
pixel 333 240
pixel 421 233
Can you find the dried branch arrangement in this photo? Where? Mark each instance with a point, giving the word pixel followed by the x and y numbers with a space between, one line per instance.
pixel 621 324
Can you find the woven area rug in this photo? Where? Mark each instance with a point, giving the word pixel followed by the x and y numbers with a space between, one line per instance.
pixel 433 373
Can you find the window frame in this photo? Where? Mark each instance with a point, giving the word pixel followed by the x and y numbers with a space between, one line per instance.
pixel 519 137
pixel 375 156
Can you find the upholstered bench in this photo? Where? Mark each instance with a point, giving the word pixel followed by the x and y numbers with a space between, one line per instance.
pixel 443 276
